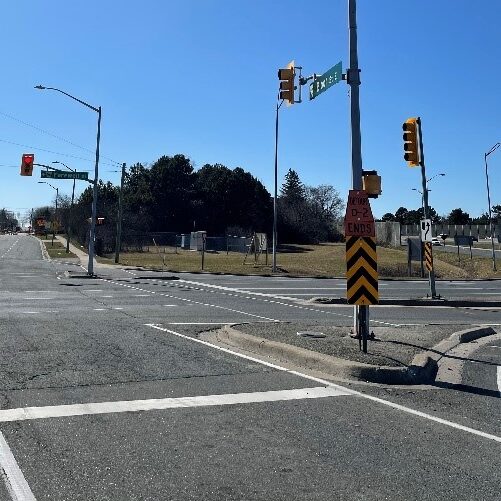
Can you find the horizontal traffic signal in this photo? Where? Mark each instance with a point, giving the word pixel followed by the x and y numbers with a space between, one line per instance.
pixel 411 147
pixel 27 161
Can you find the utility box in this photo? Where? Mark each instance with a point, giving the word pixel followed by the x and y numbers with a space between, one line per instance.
pixel 185 241
pixel 197 240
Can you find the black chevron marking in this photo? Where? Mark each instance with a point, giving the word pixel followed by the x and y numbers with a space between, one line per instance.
pixel 361 272
pixel 362 291
pixel 361 254
pixel 350 242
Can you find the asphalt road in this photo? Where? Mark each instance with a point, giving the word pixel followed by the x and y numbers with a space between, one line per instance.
pixel 475 251
pixel 107 393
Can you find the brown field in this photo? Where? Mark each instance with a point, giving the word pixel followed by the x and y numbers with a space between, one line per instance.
pixel 323 260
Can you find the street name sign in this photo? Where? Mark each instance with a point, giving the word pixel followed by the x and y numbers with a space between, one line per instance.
pixel 359 221
pixel 426 230
pixel 325 81
pixel 61 174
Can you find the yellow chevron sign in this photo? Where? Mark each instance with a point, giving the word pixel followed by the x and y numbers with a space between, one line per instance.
pixel 428 256
pixel 361 271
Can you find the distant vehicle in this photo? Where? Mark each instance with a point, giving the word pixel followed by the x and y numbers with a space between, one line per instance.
pixel 435 241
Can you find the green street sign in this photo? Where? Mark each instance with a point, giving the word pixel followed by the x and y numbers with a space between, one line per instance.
pixel 62 174
pixel 328 79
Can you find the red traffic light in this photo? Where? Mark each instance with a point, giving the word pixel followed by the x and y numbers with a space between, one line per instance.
pixel 27 162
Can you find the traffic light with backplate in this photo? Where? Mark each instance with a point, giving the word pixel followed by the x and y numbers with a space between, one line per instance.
pixel 411 148
pixel 286 77
pixel 27 164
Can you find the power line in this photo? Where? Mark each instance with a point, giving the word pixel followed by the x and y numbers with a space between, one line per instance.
pixel 54 135
pixel 36 148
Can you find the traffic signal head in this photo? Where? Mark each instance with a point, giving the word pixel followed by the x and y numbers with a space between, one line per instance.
pixel 27 164
pixel 286 77
pixel 411 148
pixel 371 183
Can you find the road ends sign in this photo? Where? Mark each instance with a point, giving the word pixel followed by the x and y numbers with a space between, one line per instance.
pixel 359 221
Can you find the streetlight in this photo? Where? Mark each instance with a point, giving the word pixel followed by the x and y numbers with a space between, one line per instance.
pixel 494 148
pixel 55 213
pixel 90 268
pixel 427 189
pixel 71 207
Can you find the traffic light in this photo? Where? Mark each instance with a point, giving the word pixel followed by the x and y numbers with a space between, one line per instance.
pixel 411 149
pixel 371 183
pixel 286 77
pixel 27 164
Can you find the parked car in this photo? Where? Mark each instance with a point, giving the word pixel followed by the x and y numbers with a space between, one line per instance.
pixel 435 241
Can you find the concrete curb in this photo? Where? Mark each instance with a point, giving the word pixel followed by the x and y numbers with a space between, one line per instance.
pixel 45 254
pixel 422 370
pixel 451 303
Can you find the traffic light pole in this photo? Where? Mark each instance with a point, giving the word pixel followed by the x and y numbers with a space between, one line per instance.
pixel 118 242
pixel 431 274
pixel 353 80
pixel 275 209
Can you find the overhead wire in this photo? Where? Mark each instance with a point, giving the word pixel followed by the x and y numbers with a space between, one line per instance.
pixel 27 124
pixel 36 148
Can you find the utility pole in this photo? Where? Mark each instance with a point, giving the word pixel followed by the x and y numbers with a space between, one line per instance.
pixel 118 242
pixel 353 79
pixel 431 273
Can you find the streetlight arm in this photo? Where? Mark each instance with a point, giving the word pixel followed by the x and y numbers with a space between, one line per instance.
pixel 494 148
pixel 41 87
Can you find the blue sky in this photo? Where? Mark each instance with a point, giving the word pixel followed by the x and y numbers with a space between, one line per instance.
pixel 199 77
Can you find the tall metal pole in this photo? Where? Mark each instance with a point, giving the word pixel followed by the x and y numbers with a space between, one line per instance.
pixel 431 274
pixel 92 235
pixel 274 259
pixel 55 216
pixel 490 212
pixel 353 79
pixel 118 242
pixel 70 218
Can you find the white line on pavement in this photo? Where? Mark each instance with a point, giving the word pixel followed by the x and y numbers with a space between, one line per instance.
pixel 191 301
pixel 499 378
pixel 53 411
pixel 39 298
pixel 399 407
pixel 15 482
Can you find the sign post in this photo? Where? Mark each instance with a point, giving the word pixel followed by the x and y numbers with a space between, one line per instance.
pixel 361 256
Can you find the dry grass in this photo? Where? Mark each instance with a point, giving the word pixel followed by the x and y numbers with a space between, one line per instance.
pixel 56 251
pixel 324 260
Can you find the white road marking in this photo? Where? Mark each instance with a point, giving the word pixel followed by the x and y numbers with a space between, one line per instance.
pixel 118 308
pixel 30 312
pixel 237 293
pixel 203 323
pixel 39 298
pixel 54 411
pixel 99 309
pixel 192 301
pixel 399 407
pixel 141 295
pixel 15 482
pixel 93 290
pixel 499 378
pixel 106 296
pixel 171 305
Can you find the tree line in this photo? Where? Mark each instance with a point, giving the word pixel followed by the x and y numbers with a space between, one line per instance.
pixel 171 196
pixel 457 216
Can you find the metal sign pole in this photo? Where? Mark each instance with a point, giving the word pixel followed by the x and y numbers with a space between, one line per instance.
pixel 353 80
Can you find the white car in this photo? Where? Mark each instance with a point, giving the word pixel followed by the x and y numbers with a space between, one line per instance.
pixel 435 241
